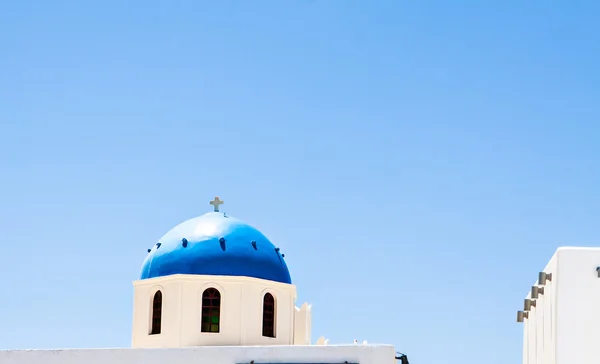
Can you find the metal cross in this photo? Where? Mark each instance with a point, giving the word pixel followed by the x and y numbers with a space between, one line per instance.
pixel 216 202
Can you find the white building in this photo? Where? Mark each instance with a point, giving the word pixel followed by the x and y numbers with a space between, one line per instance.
pixel 215 290
pixel 561 313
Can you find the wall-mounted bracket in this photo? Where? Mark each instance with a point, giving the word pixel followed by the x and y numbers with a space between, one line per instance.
pixel 543 277
pixel 528 304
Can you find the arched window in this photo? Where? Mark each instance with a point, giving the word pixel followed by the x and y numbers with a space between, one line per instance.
pixel 211 310
pixel 268 325
pixel 156 313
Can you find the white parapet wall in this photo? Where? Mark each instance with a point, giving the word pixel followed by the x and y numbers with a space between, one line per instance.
pixel 302 325
pixel 563 324
pixel 359 354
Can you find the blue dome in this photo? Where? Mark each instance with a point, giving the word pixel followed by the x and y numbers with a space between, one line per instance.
pixel 215 244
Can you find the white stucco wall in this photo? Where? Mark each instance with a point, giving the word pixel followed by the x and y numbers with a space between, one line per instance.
pixel 563 328
pixel 241 311
pixel 370 354
pixel 539 327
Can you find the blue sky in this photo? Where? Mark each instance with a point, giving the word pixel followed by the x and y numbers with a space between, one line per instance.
pixel 417 162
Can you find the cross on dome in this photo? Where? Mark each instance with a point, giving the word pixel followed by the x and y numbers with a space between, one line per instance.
pixel 216 203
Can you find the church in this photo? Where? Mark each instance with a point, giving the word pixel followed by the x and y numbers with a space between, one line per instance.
pixel 215 290
pixel 560 314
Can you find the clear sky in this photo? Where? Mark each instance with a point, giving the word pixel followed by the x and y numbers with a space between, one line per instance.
pixel 418 163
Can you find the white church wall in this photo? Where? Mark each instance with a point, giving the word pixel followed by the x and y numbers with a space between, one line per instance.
pixel 547 303
pixel 562 327
pixel 578 306
pixel 142 308
pixel 539 328
pixel 538 331
pixel 526 343
pixel 251 327
pixel 241 311
pixel 371 354
pixel 191 307
pixel 531 339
